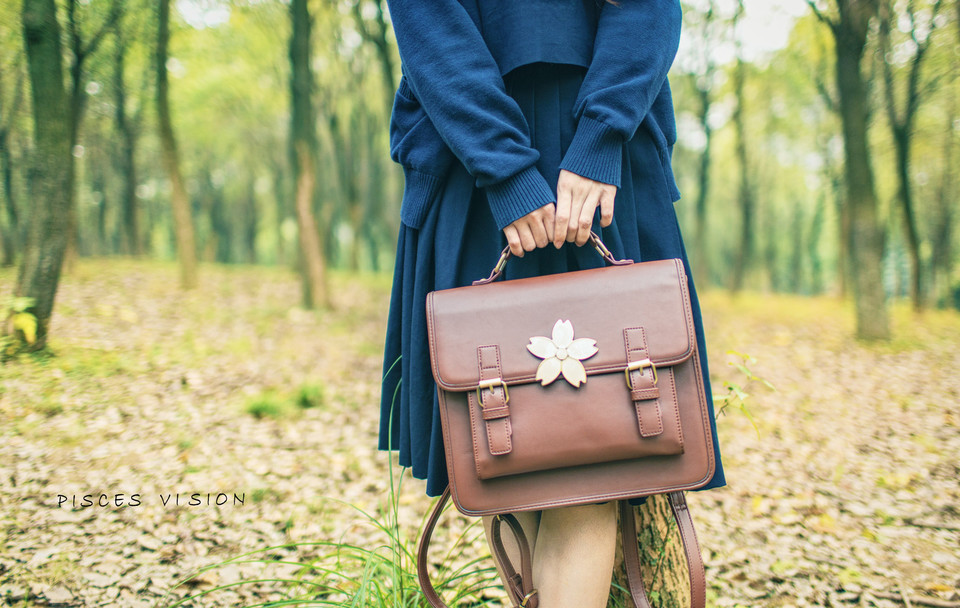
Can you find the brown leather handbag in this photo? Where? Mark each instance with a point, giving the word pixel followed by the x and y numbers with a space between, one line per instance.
pixel 572 388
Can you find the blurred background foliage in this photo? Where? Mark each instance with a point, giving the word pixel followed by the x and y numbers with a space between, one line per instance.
pixel 760 159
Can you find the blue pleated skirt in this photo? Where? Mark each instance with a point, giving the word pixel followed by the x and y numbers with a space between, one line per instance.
pixel 459 242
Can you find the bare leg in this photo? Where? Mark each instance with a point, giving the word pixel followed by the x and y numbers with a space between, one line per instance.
pixel 573 554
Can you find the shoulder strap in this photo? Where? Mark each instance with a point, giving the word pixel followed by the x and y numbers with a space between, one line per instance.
pixel 520 585
pixel 631 555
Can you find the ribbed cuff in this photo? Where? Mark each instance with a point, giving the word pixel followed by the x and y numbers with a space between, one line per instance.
pixel 419 189
pixel 518 195
pixel 596 152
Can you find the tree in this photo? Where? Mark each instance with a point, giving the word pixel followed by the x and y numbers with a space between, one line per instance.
pixel 902 121
pixel 701 76
pixel 303 154
pixel 849 28
pixel 942 255
pixel 745 188
pixel 183 222
pixel 377 34
pixel 80 52
pixel 128 128
pixel 10 236
pixel 51 170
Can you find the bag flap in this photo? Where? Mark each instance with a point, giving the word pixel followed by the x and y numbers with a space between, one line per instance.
pixel 599 304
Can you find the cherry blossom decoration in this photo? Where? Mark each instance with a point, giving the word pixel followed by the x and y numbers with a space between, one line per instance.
pixel 562 354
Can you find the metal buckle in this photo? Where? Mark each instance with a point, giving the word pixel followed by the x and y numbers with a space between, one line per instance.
pixel 635 365
pixel 491 384
pixel 600 247
pixel 501 262
pixel 526 598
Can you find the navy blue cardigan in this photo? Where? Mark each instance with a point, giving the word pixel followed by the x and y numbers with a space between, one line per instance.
pixel 451 102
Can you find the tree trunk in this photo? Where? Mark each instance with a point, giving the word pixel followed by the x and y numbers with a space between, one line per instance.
pixel 250 220
pixel 901 142
pixel 98 183
pixel 701 269
pixel 303 139
pixel 796 250
pixel 744 256
pixel 51 167
pixel 901 126
pixel 662 559
pixel 866 233
pixel 9 235
pixel 126 167
pixel 281 200
pixel 182 218
pixel 77 102
pixel 941 260
pixel 813 245
pixel 843 241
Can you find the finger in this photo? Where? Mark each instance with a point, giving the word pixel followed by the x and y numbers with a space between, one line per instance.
pixel 576 210
pixel 513 239
pixel 539 232
pixel 606 209
pixel 562 215
pixel 526 236
pixel 549 221
pixel 585 220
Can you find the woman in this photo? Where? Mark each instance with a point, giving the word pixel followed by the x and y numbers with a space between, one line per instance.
pixel 526 123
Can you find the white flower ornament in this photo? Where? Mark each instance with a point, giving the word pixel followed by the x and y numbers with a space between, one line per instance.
pixel 562 354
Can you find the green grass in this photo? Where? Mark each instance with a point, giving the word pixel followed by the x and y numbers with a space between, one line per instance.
pixel 269 405
pixel 379 575
pixel 310 395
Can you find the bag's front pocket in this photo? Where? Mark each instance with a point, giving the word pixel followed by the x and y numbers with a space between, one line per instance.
pixel 559 426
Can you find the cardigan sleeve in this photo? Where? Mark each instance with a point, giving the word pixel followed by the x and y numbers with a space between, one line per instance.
pixel 635 46
pixel 455 77
pixel 417 147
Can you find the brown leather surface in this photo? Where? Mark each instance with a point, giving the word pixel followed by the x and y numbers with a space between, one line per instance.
pixel 560 426
pixel 571 445
pixel 599 302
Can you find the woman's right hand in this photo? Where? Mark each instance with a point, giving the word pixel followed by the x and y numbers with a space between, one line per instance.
pixel 531 231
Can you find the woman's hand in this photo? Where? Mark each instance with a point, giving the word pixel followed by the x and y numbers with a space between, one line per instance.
pixel 577 200
pixel 531 231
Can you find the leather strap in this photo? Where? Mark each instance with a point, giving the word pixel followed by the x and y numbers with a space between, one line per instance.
pixel 631 554
pixel 493 401
pixel 520 585
pixel 643 386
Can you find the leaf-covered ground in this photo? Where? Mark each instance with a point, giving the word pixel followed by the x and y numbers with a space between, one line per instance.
pixel 846 494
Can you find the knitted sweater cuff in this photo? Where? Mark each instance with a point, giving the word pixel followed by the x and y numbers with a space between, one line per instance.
pixel 596 152
pixel 419 189
pixel 518 195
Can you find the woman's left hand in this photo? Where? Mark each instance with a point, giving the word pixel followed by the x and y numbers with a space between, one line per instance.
pixel 577 200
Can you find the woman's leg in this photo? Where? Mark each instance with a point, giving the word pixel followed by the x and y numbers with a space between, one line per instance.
pixel 573 554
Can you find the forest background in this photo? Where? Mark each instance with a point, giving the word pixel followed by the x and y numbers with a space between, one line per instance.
pixel 167 167
pixel 793 177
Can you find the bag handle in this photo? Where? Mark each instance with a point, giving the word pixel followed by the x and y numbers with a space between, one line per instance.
pixel 505 255
pixel 520 585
